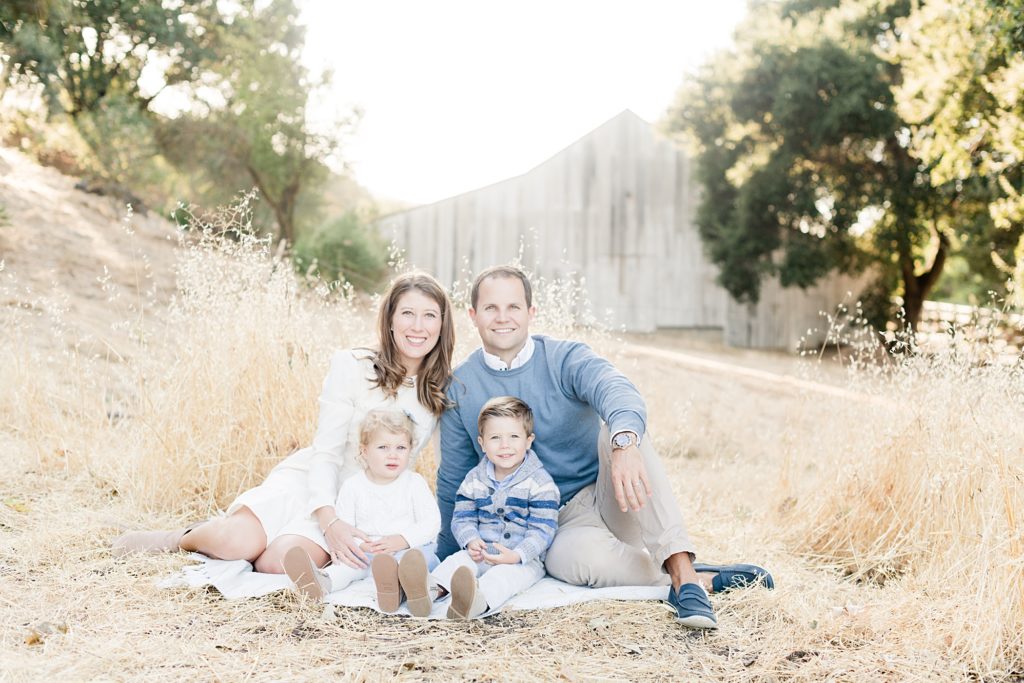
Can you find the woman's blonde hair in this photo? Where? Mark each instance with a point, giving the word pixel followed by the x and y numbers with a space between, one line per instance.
pixel 436 369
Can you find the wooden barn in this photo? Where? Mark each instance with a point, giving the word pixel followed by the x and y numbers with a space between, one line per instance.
pixel 615 208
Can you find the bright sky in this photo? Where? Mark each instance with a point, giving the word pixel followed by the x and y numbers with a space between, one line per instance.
pixel 458 94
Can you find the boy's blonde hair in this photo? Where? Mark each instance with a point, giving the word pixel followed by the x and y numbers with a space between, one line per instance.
pixel 393 421
pixel 506 406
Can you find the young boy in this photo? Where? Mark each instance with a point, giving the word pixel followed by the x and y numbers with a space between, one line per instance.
pixel 506 513
pixel 386 501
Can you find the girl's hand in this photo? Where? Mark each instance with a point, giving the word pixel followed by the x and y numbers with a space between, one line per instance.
pixel 504 556
pixel 343 541
pixel 476 549
pixel 386 544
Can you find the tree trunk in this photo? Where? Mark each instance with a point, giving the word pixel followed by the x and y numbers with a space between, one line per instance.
pixel 283 208
pixel 917 287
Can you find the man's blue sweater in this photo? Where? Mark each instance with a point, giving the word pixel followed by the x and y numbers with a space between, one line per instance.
pixel 570 390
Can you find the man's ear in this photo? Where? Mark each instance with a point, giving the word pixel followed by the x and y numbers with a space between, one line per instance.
pixel 532 311
pixel 472 314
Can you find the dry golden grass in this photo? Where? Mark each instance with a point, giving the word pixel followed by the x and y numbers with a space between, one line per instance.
pixel 893 528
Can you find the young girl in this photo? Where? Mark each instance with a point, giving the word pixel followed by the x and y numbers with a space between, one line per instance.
pixel 387 502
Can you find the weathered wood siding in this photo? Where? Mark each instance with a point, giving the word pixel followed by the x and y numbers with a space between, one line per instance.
pixel 790 317
pixel 616 207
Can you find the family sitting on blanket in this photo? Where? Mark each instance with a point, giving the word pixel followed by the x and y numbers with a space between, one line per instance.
pixel 619 523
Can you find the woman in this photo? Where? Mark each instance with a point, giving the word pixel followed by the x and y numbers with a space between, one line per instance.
pixel 294 506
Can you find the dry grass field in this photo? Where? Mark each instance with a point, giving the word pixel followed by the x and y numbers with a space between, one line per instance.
pixel 145 384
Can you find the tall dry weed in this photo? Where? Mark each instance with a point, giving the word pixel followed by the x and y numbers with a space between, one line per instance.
pixel 932 501
pixel 182 404
pixel 53 402
pixel 230 386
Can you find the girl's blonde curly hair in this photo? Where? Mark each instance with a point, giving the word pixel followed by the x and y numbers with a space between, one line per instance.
pixel 391 421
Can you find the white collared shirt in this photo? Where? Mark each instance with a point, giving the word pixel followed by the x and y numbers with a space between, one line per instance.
pixel 495 363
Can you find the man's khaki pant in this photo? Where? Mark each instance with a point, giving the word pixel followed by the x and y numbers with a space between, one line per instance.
pixel 599 545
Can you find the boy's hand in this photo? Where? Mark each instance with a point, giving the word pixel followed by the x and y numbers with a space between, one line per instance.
pixel 386 544
pixel 476 549
pixel 504 556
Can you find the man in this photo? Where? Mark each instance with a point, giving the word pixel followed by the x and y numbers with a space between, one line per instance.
pixel 619 523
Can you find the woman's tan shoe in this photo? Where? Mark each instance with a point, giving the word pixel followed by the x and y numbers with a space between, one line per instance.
pixel 308 580
pixel 149 541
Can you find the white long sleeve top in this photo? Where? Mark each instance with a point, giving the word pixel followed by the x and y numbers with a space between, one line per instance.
pixel 404 506
pixel 348 394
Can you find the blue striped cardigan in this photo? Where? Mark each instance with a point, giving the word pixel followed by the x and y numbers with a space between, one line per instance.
pixel 520 513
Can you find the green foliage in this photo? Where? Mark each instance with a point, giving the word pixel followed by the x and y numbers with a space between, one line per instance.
pixel 88 58
pixel 121 137
pixel 961 95
pixel 82 51
pixel 344 250
pixel 804 159
pixel 243 98
pixel 256 129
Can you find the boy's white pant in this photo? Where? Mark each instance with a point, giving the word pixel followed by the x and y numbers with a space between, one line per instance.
pixel 498 582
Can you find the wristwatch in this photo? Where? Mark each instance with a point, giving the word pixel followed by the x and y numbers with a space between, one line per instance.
pixel 624 439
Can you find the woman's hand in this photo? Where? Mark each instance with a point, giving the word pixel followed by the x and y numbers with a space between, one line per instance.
pixel 386 544
pixel 504 556
pixel 342 539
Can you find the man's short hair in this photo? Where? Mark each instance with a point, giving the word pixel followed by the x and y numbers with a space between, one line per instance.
pixel 501 271
pixel 506 406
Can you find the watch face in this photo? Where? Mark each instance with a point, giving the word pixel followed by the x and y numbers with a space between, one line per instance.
pixel 622 440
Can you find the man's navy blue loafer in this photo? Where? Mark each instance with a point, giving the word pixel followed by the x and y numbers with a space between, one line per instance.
pixel 730 576
pixel 693 608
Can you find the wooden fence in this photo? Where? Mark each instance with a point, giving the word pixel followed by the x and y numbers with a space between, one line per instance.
pixel 939 318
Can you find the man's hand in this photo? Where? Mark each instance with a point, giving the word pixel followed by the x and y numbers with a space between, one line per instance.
pixel 476 549
pixel 629 478
pixel 504 556
pixel 342 539
pixel 386 544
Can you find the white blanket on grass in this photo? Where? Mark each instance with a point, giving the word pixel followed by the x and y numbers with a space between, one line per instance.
pixel 236 579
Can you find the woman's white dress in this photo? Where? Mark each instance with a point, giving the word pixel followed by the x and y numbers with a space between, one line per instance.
pixel 311 477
